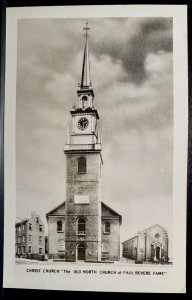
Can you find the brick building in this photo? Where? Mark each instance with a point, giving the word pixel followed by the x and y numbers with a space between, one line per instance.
pixel 83 227
pixel 149 245
pixel 30 238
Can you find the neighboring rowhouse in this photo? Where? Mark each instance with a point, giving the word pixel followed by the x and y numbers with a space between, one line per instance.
pixel 30 238
pixel 84 228
pixel 149 245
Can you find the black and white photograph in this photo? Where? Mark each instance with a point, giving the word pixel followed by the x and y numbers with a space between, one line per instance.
pixel 94 153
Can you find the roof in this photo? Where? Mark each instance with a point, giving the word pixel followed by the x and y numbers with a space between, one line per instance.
pixel 57 207
pixel 113 211
pixel 144 231
pixel 135 236
pixel 103 204
pixel 154 226
pixel 20 222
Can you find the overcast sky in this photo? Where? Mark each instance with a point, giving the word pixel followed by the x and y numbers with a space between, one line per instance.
pixel 131 72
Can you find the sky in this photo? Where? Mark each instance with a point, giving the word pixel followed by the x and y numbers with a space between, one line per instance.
pixel 132 76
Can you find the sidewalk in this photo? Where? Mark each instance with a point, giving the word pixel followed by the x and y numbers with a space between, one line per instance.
pixel 122 262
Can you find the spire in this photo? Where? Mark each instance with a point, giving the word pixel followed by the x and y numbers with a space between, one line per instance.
pixel 85 91
pixel 85 78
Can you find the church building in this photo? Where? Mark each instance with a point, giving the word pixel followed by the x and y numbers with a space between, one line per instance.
pixel 83 227
pixel 150 244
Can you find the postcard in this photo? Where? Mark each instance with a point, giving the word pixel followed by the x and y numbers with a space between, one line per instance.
pixel 96 126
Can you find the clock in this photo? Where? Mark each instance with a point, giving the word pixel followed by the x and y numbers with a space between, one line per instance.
pixel 83 123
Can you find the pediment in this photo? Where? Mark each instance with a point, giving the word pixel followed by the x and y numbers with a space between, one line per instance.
pixel 157 244
pixel 107 211
pixel 58 210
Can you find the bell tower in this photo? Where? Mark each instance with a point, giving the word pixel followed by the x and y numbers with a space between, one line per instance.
pixel 83 173
pixel 85 116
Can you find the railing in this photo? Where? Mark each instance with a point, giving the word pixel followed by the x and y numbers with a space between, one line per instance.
pixel 81 233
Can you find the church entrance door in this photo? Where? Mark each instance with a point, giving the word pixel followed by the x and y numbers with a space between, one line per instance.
pixel 158 252
pixel 81 251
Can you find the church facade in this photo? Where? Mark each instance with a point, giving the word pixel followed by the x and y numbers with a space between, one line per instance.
pixel 150 244
pixel 83 227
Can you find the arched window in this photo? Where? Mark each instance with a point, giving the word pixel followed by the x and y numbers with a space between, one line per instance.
pixel 105 247
pixel 82 165
pixel 84 102
pixel 107 227
pixel 59 226
pixel 81 224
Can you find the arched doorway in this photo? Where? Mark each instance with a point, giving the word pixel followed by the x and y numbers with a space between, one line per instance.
pixel 81 248
pixel 156 251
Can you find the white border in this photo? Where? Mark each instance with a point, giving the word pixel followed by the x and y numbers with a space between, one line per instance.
pixel 15 276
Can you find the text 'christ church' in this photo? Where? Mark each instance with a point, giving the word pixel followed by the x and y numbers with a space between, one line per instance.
pixel 83 227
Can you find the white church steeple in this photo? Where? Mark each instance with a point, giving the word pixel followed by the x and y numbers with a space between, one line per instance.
pixel 85 90
pixel 85 78
pixel 84 130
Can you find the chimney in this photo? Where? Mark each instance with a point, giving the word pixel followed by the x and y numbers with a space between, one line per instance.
pixel 33 214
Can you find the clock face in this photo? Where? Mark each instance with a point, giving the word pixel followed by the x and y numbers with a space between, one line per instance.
pixel 83 123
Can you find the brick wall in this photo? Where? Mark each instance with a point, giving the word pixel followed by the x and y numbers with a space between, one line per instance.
pixel 83 184
pixel 113 238
pixel 36 244
pixel 129 248
pixel 53 236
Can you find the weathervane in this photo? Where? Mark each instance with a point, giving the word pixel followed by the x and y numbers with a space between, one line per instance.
pixel 86 30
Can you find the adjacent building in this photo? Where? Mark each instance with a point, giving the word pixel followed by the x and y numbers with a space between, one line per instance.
pixel 30 238
pixel 83 227
pixel 149 245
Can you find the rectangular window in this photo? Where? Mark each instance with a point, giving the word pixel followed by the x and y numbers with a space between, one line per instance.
pixel 18 250
pixel 23 227
pixel 19 239
pixel 19 228
pixel 107 227
pixel 40 228
pixel 40 250
pixel 37 220
pixel 105 247
pixel 30 226
pixel 40 239
pixel 23 239
pixel 30 250
pixel 81 199
pixel 23 249
pixel 59 226
pixel 30 238
pixel 82 165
